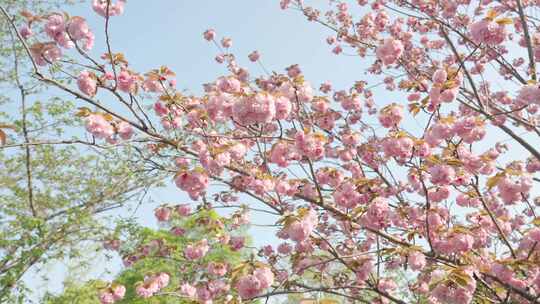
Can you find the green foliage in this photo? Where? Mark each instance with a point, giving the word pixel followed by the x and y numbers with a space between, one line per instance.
pixel 71 187
pixel 173 263
pixel 56 193
pixel 80 294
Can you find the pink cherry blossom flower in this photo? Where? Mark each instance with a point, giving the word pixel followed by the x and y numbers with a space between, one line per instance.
pixel 488 32
pixel 209 34
pixel 178 231
pixel 78 30
pixel 293 70
pixel 55 28
pixel 25 31
pixel 217 269
pixel 163 279
pixel 347 196
pixel 280 154
pixel 400 147
pixel 254 56
pixel 377 215
pixel 237 242
pixel 226 42
pixel 143 292
pixel 197 250
pixel 511 189
pixel 188 290
pixel 125 130
pixel 193 182
pixel 106 298
pixel 126 82
pixel 391 115
pixel 252 285
pixel 45 53
pixel 389 51
pixel 99 126
pixel 439 76
pixel 417 260
pixel 265 276
pixel 160 109
pixel 284 248
pixel 283 107
pixel 87 83
pixel 183 209
pixel 362 272
pixel 310 145
pixel 163 214
pixel 300 230
pixel 229 84
pixel 114 9
pixel 248 287
pixel 259 108
pixel 441 174
pixel 529 94
pixel 118 292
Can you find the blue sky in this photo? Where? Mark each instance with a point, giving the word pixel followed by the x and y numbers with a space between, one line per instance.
pixel 153 33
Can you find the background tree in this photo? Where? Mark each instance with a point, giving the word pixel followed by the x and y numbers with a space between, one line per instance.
pixel 219 244
pixel 58 188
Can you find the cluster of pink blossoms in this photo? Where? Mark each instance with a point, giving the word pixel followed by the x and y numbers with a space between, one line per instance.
pixel 377 215
pixel 44 53
pixel 193 182
pixel 127 81
pixel 488 31
pixel 470 128
pixel 67 32
pixel 282 153
pixel 253 284
pixel 400 147
pixel 260 108
pixel 389 51
pixel 528 94
pixel 87 83
pixel 301 227
pixel 512 189
pixel 453 243
pixel 102 7
pixel 102 128
pixel 112 294
pixel 310 145
pixel 206 293
pixel 445 88
pixel 364 270
pixel 64 31
pixel 446 291
pixel 391 115
pixel 196 251
pixel 416 260
pixel 347 196
pixel 164 213
pixel 215 158
pixel 152 284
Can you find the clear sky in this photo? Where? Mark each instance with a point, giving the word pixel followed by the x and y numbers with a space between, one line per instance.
pixel 153 33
